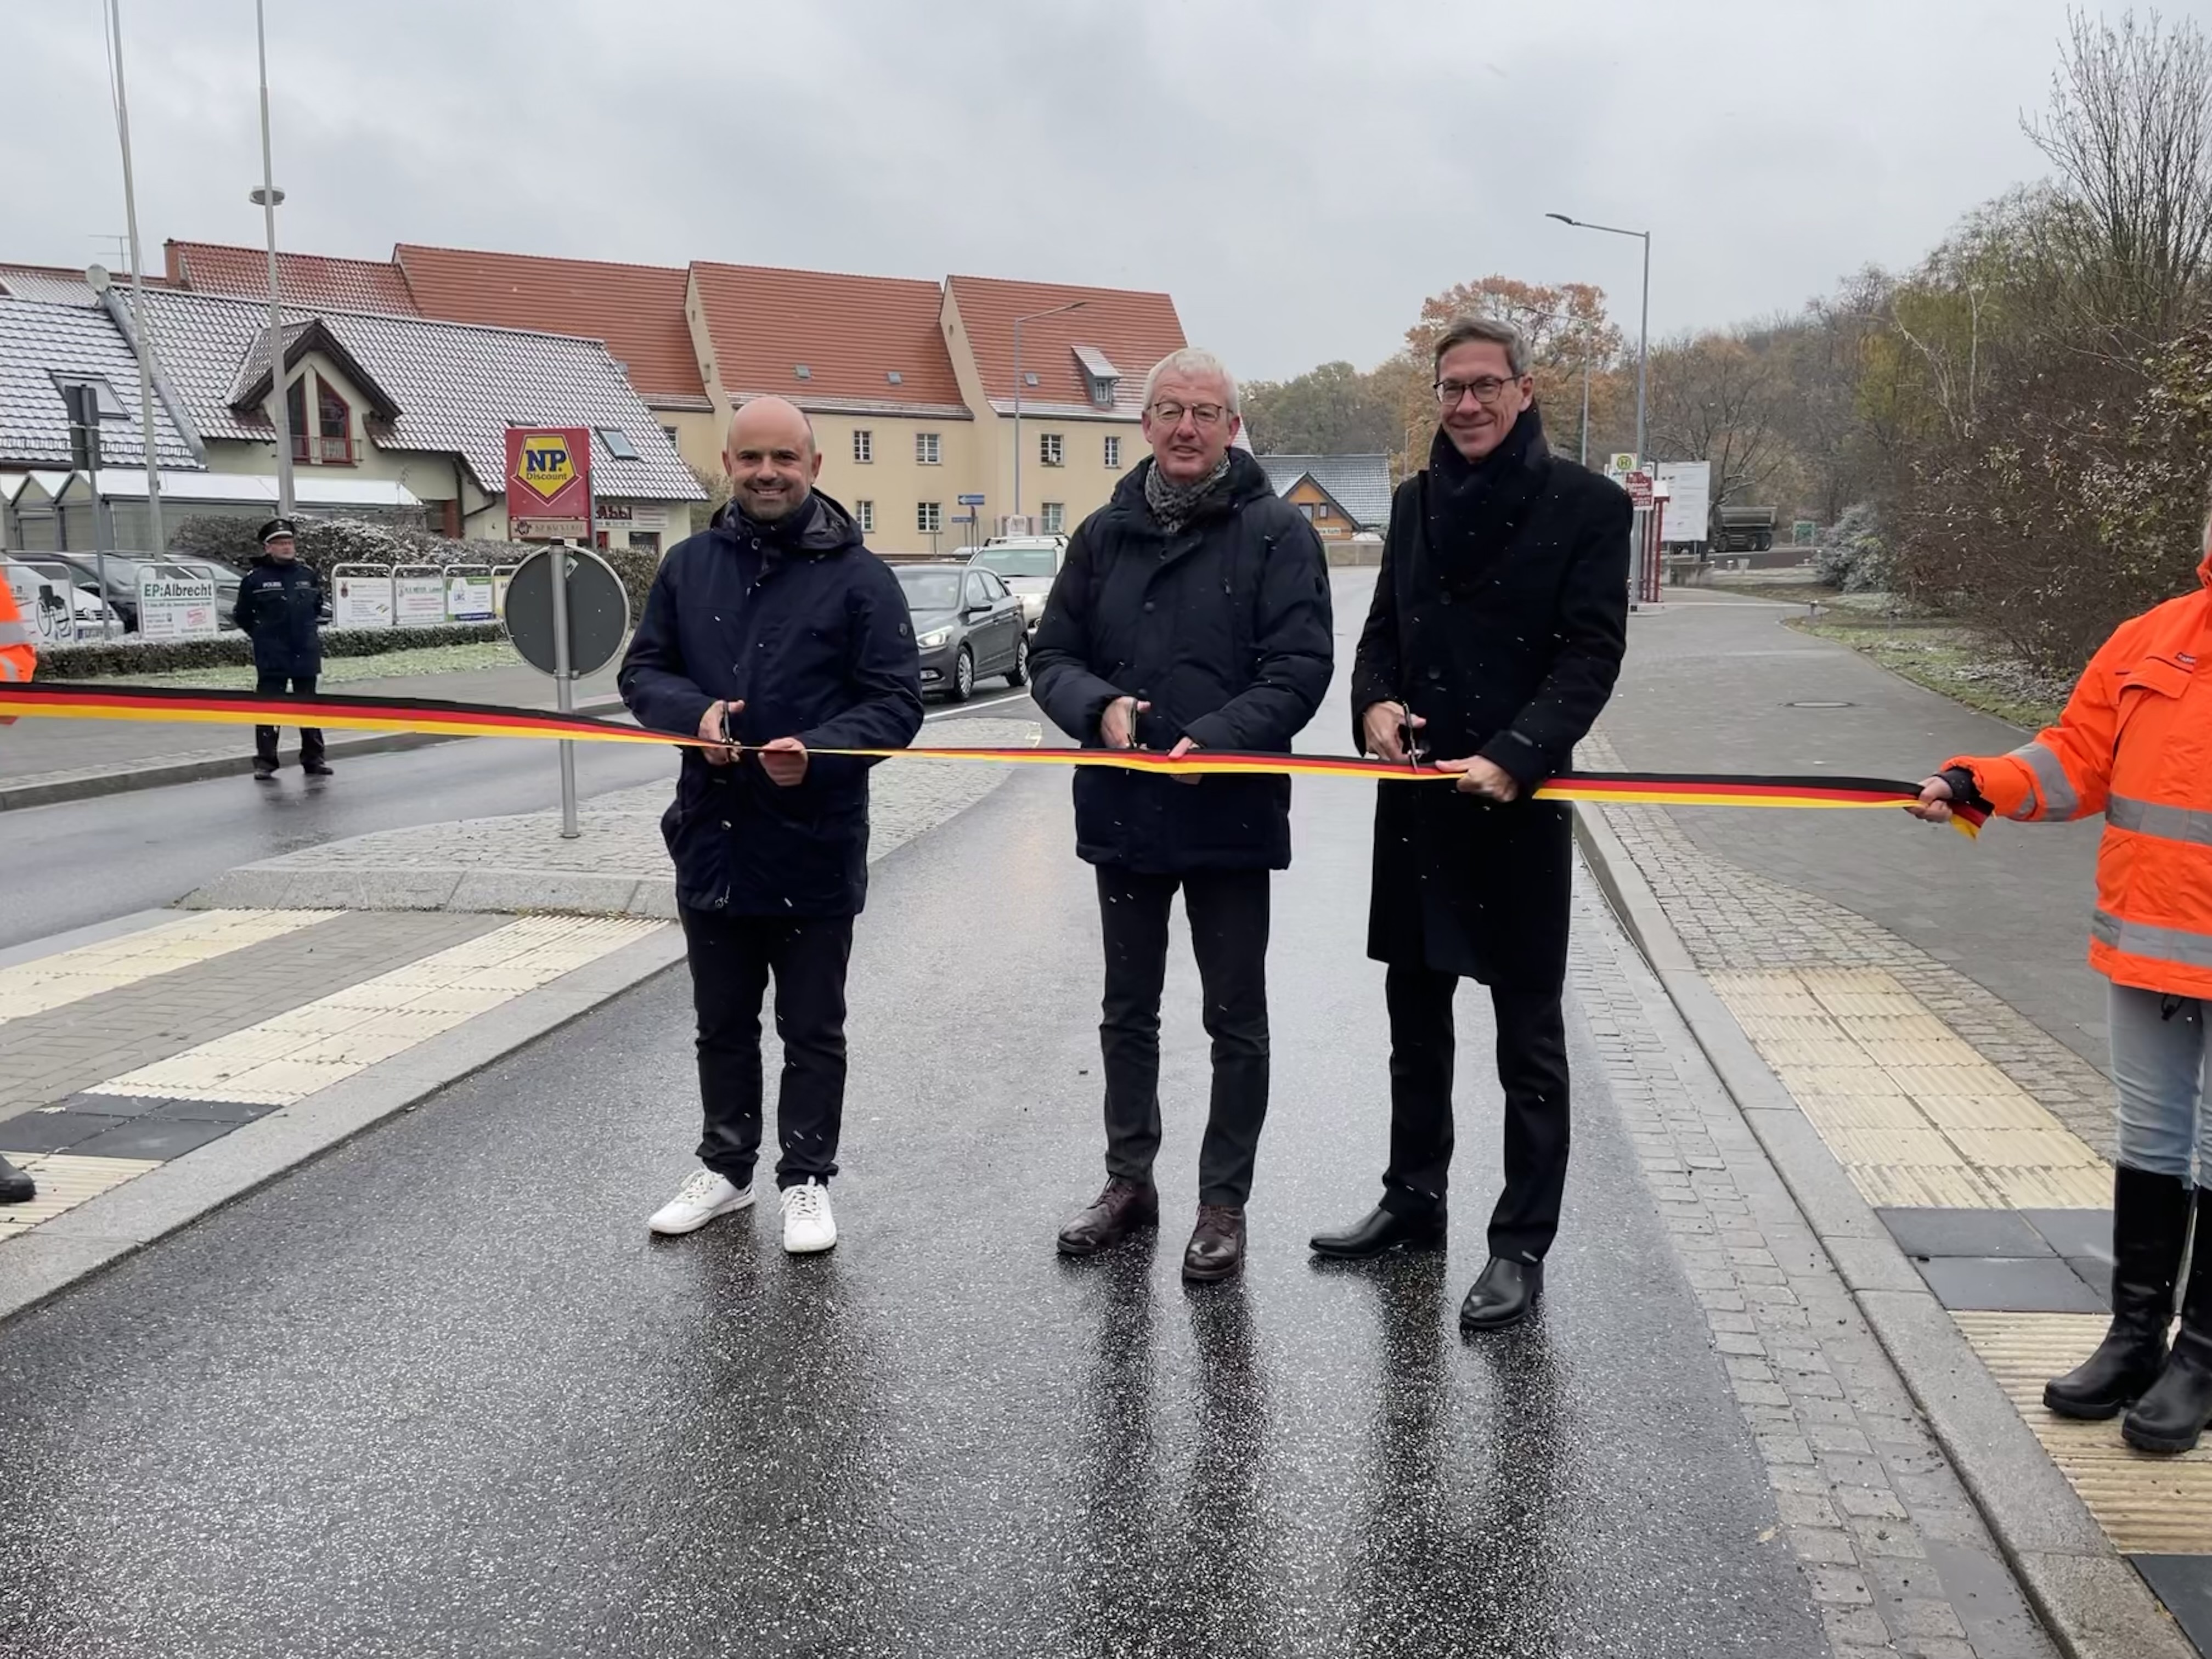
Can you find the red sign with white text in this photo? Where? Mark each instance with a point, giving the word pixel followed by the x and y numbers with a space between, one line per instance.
pixel 549 483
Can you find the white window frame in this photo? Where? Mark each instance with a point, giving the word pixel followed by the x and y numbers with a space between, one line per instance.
pixel 864 446
pixel 1055 518
pixel 929 517
pixel 864 515
pixel 928 449
pixel 1113 449
pixel 1052 449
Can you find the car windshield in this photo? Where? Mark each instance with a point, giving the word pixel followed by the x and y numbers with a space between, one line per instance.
pixel 931 590
pixel 1017 561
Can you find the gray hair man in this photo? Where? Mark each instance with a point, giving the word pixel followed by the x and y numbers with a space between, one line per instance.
pixel 1192 613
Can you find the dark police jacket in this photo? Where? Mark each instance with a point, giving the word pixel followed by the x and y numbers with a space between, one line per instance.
pixel 811 630
pixel 1224 628
pixel 1512 663
pixel 279 607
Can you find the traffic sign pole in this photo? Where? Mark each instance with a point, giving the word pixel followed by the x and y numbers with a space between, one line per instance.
pixel 564 691
pixel 554 466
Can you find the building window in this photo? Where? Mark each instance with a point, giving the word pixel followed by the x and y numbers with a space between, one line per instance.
pixel 1113 451
pixel 926 451
pixel 864 448
pixel 617 442
pixel 863 514
pixel 1307 508
pixel 1055 518
pixel 669 432
pixel 929 517
pixel 1050 449
pixel 645 541
pixel 331 439
pixel 1321 508
pixel 1102 391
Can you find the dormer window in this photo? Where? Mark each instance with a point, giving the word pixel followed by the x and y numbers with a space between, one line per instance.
pixel 1100 378
pixel 329 440
pixel 800 371
pixel 895 377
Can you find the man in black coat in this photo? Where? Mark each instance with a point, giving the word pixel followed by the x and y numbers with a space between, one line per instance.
pixel 280 608
pixel 1499 621
pixel 1192 612
pixel 777 630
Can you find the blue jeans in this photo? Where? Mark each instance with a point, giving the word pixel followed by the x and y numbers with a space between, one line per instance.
pixel 2160 1055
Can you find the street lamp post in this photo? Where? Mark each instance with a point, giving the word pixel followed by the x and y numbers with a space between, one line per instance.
pixel 1073 305
pixel 1643 329
pixel 266 198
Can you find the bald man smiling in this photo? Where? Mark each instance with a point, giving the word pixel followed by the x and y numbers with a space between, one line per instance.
pixel 776 630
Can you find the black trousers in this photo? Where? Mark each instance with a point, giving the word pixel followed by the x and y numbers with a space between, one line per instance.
pixel 1532 1071
pixel 264 737
pixel 1228 912
pixel 732 959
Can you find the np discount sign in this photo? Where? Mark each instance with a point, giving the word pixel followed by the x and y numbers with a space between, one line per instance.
pixel 549 482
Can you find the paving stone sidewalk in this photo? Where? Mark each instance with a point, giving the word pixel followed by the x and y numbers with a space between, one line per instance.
pixel 618 866
pixel 1896 1554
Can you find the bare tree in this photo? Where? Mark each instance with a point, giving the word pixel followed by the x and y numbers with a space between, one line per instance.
pixel 2128 133
pixel 1713 399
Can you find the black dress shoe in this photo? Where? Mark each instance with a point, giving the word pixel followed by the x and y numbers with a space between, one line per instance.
pixel 1502 1295
pixel 1121 1209
pixel 1383 1229
pixel 15 1187
pixel 316 769
pixel 265 774
pixel 1217 1243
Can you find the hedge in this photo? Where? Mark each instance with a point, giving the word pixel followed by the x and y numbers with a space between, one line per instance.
pixel 129 655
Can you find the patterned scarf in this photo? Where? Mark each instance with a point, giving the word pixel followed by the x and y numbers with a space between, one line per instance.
pixel 1175 504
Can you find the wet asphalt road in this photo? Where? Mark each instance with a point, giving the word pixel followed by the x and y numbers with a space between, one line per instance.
pixel 78 862
pixel 441 1393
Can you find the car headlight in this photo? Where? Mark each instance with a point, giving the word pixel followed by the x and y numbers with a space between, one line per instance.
pixel 936 637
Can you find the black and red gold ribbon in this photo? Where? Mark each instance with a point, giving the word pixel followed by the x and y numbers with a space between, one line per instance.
pixel 467 719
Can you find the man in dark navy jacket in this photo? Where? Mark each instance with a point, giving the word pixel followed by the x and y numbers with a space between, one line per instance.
pixel 778 630
pixel 280 608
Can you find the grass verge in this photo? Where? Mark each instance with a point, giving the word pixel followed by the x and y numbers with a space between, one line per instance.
pixel 341 671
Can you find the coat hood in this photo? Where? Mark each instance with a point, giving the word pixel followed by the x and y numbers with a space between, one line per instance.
pixel 827 528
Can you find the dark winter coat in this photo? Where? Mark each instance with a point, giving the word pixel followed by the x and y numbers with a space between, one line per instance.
pixel 1224 629
pixel 279 608
pixel 809 629
pixel 1509 646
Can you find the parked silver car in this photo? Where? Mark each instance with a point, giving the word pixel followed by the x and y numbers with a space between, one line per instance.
pixel 1027 564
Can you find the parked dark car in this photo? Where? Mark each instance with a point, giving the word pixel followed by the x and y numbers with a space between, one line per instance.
pixel 966 624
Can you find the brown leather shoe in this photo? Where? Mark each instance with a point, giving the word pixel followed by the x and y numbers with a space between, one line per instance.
pixel 1121 1209
pixel 1217 1243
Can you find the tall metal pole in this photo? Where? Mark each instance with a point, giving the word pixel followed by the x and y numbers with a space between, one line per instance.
pixel 1018 321
pixel 1644 351
pixel 268 196
pixel 1073 305
pixel 1644 331
pixel 1584 457
pixel 83 402
pixel 137 287
pixel 564 684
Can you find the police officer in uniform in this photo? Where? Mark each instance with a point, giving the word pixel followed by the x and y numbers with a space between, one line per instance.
pixel 280 607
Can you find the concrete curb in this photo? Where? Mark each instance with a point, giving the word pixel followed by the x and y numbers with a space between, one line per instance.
pixel 2093 1601
pixel 47 789
pixel 104 1230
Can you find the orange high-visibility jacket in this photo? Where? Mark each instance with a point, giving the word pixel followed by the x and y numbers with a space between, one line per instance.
pixel 2135 743
pixel 19 653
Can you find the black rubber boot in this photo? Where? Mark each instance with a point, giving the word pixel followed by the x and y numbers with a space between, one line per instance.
pixel 15 1187
pixel 2150 1225
pixel 2172 1414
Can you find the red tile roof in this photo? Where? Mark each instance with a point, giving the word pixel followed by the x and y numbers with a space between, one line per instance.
pixel 1132 328
pixel 303 279
pixel 638 310
pixel 851 332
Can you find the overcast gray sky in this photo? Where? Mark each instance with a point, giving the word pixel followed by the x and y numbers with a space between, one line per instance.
pixel 1298 174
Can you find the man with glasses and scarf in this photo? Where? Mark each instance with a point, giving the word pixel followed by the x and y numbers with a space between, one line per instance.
pixel 1499 621
pixel 1192 612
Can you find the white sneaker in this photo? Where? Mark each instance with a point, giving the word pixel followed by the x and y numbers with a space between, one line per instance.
pixel 808 1226
pixel 703 1196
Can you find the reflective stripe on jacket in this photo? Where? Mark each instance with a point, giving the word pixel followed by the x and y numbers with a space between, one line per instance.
pixel 2135 743
pixel 19 651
